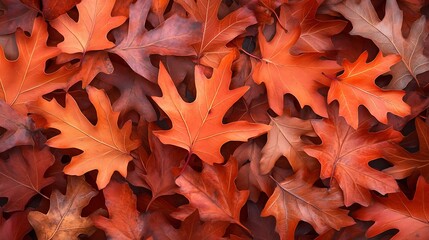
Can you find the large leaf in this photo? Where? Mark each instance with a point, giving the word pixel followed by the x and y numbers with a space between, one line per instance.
pixel 299 75
pixel 356 86
pixel 216 33
pixel 396 211
pixel 64 220
pixel 344 155
pixel 197 126
pixel 388 37
pixel 90 32
pixel 105 146
pixel 21 176
pixel 296 199
pixel 173 37
pixel 24 80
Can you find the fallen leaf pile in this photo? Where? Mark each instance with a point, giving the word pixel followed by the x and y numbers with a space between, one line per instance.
pixel 214 119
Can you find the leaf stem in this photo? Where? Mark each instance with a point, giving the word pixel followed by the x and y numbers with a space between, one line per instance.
pixel 188 159
pixel 250 55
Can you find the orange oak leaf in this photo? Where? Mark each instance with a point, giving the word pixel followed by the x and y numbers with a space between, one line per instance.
pixel 388 37
pixel 284 139
pixel 297 199
pixel 299 75
pixel 197 126
pixel 344 155
pixel 213 192
pixel 90 32
pixel 216 33
pixel 396 211
pixel 22 176
pixel 64 220
pixel 406 163
pixel 124 221
pixel 24 80
pixel 18 128
pixel 356 86
pixel 105 146
pixel 173 37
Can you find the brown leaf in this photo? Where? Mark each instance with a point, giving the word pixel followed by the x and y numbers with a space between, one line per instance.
pixel 64 220
pixel 284 139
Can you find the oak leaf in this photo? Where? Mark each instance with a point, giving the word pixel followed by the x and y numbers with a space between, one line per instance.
pixel 297 199
pixel 299 75
pixel 344 155
pixel 388 37
pixel 410 217
pixel 216 33
pixel 197 126
pixel 18 128
pixel 105 146
pixel 284 139
pixel 124 221
pixel 406 163
pixel 64 220
pixel 90 32
pixel 22 176
pixel 24 80
pixel 173 37
pixel 356 86
pixel 213 192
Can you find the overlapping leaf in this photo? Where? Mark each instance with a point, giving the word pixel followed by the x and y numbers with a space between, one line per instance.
pixel 197 126
pixel 105 146
pixel 90 32
pixel 387 35
pixel 24 79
